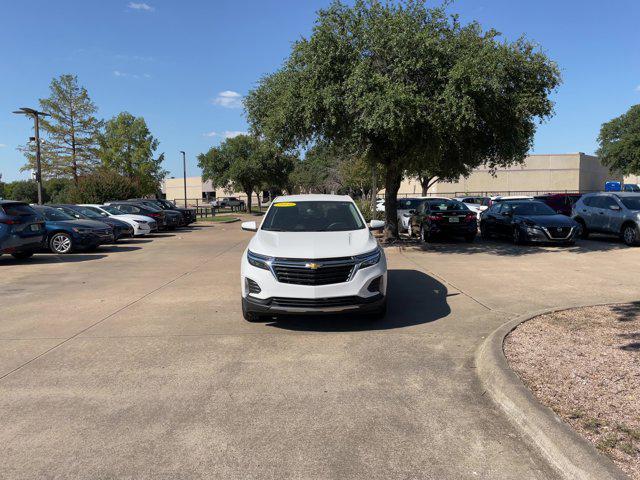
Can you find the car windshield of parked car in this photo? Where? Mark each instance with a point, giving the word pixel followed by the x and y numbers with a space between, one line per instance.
pixel 88 212
pixel 17 209
pixel 632 203
pixel 532 208
pixel 409 203
pixel 312 216
pixel 111 210
pixel 446 205
pixel 55 215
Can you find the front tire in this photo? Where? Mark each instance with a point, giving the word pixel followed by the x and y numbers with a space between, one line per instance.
pixel 61 243
pixel 517 236
pixel 630 235
pixel 583 231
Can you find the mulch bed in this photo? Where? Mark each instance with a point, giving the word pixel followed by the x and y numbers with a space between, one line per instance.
pixel 585 365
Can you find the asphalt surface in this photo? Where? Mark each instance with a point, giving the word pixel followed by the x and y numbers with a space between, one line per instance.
pixel 135 362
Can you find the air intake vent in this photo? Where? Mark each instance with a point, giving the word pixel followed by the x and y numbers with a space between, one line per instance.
pixel 252 286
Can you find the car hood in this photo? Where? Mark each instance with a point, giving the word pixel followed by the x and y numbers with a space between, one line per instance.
pixel 550 220
pixel 133 217
pixel 80 223
pixel 312 245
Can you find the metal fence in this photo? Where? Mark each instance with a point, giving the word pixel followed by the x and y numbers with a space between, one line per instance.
pixel 493 193
pixel 204 208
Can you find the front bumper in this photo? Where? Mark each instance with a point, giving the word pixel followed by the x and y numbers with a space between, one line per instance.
pixel 543 235
pixel 92 240
pixel 365 291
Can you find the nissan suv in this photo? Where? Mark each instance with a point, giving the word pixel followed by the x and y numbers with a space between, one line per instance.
pixel 313 254
pixel 610 213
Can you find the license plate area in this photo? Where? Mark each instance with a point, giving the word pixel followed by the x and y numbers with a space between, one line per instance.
pixel 454 220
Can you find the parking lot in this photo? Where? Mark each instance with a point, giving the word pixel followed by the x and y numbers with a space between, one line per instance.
pixel 134 362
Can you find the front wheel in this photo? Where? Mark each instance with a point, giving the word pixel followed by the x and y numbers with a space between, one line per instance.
pixel 630 235
pixel 583 231
pixel 22 255
pixel 61 243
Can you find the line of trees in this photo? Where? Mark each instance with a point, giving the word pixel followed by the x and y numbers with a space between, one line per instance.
pixel 81 151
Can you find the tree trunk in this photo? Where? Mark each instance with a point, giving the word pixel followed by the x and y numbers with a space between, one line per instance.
pixel 393 178
pixel 248 192
pixel 259 201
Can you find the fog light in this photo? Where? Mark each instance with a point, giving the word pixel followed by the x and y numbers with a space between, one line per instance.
pixel 375 285
pixel 252 286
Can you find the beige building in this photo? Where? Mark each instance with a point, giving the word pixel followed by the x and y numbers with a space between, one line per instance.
pixel 538 174
pixel 198 192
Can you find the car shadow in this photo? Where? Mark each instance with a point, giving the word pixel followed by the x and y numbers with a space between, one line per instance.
pixel 426 295
pixel 117 248
pixel 134 241
pixel 497 246
pixel 46 258
pixel 163 235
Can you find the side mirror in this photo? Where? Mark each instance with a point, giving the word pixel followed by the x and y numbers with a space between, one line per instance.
pixel 376 225
pixel 506 214
pixel 249 226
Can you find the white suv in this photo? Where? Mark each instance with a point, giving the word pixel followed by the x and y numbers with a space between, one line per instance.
pixel 313 254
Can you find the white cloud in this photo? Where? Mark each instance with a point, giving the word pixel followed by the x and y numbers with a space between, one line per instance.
pixel 2 145
pixel 120 73
pixel 140 6
pixel 225 134
pixel 228 99
pixel 638 88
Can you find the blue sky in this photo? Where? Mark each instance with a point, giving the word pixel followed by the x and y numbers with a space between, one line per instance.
pixel 183 65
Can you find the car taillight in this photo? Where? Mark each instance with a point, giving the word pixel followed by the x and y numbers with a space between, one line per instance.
pixel 10 221
pixel 469 217
pixel 434 218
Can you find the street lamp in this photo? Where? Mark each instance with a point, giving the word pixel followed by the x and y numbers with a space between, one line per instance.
pixel 184 172
pixel 36 119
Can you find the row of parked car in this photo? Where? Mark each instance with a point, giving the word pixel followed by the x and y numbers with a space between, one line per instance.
pixel 64 228
pixel 552 218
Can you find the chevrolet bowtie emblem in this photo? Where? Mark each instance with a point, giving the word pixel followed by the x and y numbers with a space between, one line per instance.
pixel 312 266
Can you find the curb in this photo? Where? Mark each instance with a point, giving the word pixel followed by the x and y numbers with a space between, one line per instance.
pixel 571 455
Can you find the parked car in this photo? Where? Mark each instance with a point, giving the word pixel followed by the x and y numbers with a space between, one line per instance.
pixel 560 202
pixel 610 213
pixel 65 234
pixel 22 229
pixel 232 202
pixel 509 198
pixel 444 217
pixel 476 204
pixel 406 207
pixel 120 229
pixel 631 187
pixel 188 214
pixel 141 225
pixel 174 218
pixel 129 208
pixel 528 221
pixel 313 254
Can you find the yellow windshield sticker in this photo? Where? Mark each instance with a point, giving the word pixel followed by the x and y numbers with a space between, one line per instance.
pixel 285 204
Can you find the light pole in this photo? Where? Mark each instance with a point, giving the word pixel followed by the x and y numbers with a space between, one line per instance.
pixel 36 119
pixel 184 176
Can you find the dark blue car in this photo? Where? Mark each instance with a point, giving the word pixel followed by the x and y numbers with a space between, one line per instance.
pixel 21 229
pixel 120 229
pixel 65 234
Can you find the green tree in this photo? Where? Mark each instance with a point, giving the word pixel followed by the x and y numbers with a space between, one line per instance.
pixel 247 164
pixel 23 191
pixel 318 172
pixel 105 185
pixel 398 84
pixel 60 190
pixel 70 132
pixel 127 147
pixel 619 141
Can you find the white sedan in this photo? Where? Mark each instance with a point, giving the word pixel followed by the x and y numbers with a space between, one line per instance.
pixel 141 224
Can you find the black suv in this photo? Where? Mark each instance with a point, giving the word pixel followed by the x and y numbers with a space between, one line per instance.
pixel 21 229
pixel 188 215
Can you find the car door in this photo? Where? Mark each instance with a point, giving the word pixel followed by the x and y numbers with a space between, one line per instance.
pixel 585 209
pixel 489 218
pixel 504 219
pixel 599 213
pixel 613 215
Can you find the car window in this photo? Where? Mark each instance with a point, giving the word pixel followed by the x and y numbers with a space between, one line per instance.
pixel 632 203
pixel 532 208
pixel 53 215
pixel 495 208
pixel 604 202
pixel 446 205
pixel 111 209
pixel 506 208
pixel 409 203
pixel 17 209
pixel 589 201
pixel 312 216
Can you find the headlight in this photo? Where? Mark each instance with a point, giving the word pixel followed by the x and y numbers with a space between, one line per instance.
pixel 368 259
pixel 259 261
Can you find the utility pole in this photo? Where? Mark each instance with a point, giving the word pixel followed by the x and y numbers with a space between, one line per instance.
pixel 184 176
pixel 36 120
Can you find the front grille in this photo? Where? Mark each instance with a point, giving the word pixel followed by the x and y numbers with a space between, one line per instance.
pixel 315 302
pixel 313 272
pixel 559 232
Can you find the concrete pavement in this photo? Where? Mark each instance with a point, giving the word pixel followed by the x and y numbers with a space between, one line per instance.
pixel 135 362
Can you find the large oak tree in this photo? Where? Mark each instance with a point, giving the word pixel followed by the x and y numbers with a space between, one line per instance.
pixel 400 84
pixel 620 142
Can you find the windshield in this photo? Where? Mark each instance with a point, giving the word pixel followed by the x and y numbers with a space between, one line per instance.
pixel 409 203
pixel 632 203
pixel 446 205
pixel 55 215
pixel 532 208
pixel 318 216
pixel 88 212
pixel 111 210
